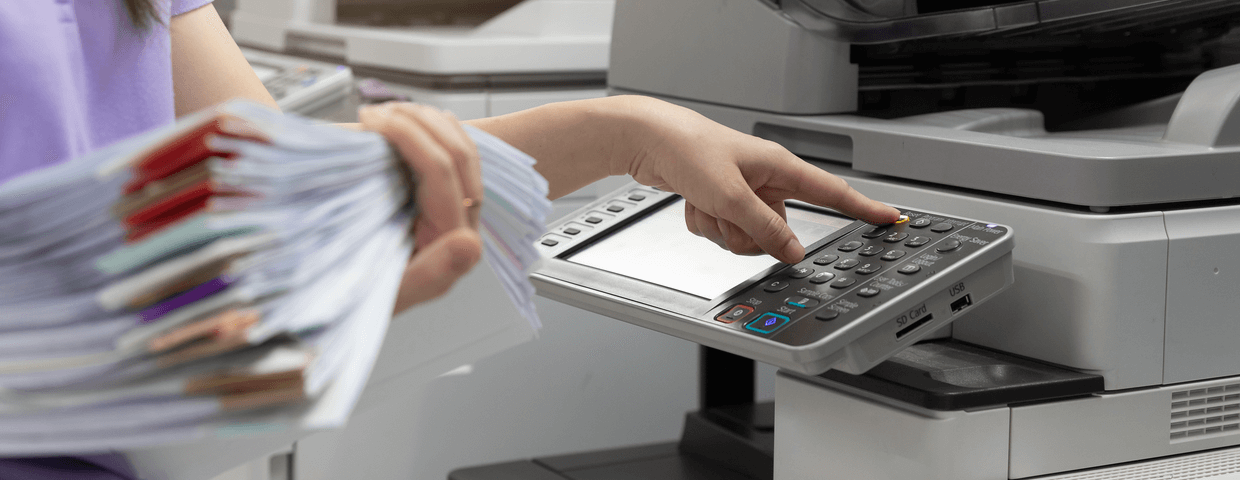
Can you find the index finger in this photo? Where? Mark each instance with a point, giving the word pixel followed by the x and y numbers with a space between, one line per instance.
pixel 814 185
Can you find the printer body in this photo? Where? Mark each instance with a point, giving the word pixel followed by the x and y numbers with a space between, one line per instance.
pixel 1106 133
pixel 476 58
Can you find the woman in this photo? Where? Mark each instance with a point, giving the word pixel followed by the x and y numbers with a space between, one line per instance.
pixel 76 75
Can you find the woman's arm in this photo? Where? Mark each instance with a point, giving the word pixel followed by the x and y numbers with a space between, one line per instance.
pixel 207 67
pixel 734 184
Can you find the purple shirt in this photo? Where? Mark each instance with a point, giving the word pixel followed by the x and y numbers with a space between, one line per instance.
pixel 77 75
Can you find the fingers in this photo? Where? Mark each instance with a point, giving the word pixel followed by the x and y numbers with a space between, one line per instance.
pixel 811 184
pixel 439 194
pixel 447 130
pixel 437 266
pixel 762 223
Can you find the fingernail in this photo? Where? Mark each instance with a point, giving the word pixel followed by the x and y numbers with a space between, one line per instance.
pixel 793 250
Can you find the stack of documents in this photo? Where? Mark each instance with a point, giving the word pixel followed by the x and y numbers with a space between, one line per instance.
pixel 232 273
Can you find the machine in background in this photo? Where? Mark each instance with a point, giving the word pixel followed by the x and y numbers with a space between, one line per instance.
pixel 1106 133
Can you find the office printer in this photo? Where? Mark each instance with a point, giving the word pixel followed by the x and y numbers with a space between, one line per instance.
pixel 476 58
pixel 1105 132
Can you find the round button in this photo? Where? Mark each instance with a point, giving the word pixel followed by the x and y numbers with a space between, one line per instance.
pixel 847 263
pixel 821 278
pixel 874 232
pixel 826 259
pixel 800 272
pixel 948 246
pixel 920 223
pixel 909 269
pixel 850 246
pixel 941 227
pixel 775 286
pixel 826 315
pixel 843 282
pixel 868 292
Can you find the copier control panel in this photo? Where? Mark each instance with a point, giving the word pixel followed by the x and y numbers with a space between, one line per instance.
pixel 861 293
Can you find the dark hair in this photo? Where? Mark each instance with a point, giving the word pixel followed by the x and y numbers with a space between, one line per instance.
pixel 141 12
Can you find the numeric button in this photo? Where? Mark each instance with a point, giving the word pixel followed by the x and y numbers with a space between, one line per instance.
pixel 871 251
pixel 847 263
pixel 896 237
pixel 843 282
pixel 826 259
pixel 892 255
pixel 869 268
pixel 917 242
pixel 821 278
pixel 850 246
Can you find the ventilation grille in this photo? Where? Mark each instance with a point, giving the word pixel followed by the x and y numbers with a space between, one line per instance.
pixel 1189 467
pixel 1205 412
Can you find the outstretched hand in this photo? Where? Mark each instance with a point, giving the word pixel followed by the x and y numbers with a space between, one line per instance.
pixel 735 184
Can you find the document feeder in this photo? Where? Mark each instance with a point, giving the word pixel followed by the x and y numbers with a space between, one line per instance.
pixel 861 293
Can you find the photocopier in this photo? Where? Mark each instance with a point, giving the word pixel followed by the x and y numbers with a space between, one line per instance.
pixel 1105 134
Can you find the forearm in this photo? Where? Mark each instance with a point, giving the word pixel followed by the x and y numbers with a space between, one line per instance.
pixel 576 143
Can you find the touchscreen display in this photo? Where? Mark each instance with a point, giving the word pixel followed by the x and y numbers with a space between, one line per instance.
pixel 659 249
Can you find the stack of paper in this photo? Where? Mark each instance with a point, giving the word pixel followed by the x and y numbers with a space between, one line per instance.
pixel 234 272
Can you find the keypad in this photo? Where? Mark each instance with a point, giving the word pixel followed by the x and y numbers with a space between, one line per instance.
pixel 870 263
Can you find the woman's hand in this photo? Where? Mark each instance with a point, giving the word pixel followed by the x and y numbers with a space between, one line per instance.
pixel 735 184
pixel 446 169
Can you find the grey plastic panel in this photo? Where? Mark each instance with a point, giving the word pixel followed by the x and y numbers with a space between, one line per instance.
pixel 1103 430
pixel 735 52
pixel 844 433
pixel 1207 115
pixel 1203 307
pixel 1010 154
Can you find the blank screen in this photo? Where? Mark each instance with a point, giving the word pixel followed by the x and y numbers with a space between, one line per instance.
pixel 658 249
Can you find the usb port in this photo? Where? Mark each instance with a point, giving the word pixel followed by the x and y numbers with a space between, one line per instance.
pixel 913 326
pixel 961 303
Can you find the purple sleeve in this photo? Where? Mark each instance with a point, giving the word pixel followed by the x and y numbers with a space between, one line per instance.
pixel 182 6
